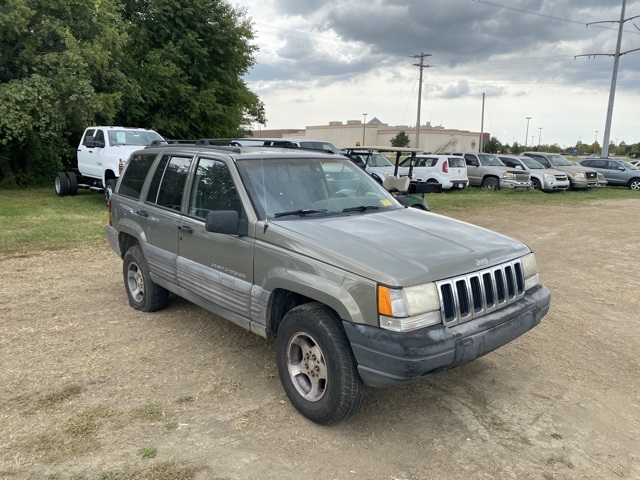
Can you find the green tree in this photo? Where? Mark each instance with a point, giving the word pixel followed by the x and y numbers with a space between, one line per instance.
pixel 59 71
pixel 493 146
pixel 188 58
pixel 400 140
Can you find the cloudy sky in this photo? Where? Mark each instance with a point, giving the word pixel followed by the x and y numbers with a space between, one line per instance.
pixel 335 60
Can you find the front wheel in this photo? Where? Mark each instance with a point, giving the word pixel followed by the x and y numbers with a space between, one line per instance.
pixel 535 184
pixel 109 188
pixel 491 183
pixel 634 184
pixel 144 294
pixel 316 365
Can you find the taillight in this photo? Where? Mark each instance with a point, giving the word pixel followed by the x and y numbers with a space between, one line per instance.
pixel 445 167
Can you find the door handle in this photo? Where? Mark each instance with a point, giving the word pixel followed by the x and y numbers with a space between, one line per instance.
pixel 185 229
pixel 142 213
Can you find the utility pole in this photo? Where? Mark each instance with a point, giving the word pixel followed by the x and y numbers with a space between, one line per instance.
pixel 364 127
pixel 527 135
pixel 614 77
pixel 420 65
pixel 482 127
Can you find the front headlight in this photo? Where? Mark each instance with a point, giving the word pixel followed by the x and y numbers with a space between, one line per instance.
pixel 508 176
pixel 410 308
pixel 548 177
pixel 530 271
pixel 578 174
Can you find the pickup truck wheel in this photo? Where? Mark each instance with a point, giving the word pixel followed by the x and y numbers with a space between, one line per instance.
pixel 73 183
pixel 316 365
pixel 143 293
pixel 61 184
pixel 109 187
pixel 634 184
pixel 491 183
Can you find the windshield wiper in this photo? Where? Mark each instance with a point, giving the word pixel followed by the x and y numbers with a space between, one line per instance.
pixel 301 212
pixel 360 208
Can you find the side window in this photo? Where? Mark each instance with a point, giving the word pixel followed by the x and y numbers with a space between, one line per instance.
pixel 167 185
pixel 89 133
pixel 613 165
pixel 469 159
pixel 599 164
pixel 508 162
pixel 99 136
pixel 134 174
pixel 213 189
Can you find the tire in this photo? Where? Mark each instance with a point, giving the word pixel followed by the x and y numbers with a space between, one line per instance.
pixel 61 184
pixel 535 184
pixel 491 183
pixel 634 184
pixel 73 183
pixel 109 188
pixel 143 293
pixel 316 365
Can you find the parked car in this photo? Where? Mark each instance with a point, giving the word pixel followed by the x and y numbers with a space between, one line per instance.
pixel 580 177
pixel 307 249
pixel 542 178
pixel 616 172
pixel 447 170
pixel 393 177
pixel 373 161
pixel 486 170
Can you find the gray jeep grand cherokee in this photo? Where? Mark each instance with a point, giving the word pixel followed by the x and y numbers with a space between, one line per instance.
pixel 309 250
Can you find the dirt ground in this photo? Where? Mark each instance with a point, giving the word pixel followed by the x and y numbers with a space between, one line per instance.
pixel 92 389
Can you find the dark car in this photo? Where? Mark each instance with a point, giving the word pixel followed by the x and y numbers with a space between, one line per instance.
pixel 616 172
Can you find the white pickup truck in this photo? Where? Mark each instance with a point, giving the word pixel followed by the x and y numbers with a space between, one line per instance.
pixel 102 154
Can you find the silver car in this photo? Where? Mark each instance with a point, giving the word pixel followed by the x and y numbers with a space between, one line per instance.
pixel 616 172
pixel 542 178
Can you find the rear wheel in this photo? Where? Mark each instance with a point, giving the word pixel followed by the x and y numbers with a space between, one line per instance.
pixel 61 184
pixel 491 183
pixel 73 183
pixel 316 365
pixel 143 293
pixel 634 184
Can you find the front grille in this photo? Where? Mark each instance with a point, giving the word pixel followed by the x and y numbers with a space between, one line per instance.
pixel 473 295
pixel 520 177
pixel 592 175
pixel 561 178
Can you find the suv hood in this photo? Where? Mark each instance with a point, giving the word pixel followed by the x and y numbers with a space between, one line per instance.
pixel 397 248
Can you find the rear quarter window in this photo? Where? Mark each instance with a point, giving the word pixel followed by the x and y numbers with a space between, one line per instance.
pixel 134 174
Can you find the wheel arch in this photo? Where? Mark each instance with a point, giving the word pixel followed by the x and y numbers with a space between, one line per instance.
pixel 289 293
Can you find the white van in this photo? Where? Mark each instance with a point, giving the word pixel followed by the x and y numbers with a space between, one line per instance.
pixel 447 170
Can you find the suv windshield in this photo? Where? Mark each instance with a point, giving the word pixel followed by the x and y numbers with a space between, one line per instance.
pixel 282 188
pixel 490 160
pixel 531 163
pixel 129 137
pixel 560 161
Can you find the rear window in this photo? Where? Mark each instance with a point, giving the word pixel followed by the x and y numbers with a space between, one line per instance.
pixel 456 162
pixel 134 174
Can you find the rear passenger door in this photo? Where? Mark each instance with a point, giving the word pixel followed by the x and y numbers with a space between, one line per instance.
pixel 216 267
pixel 160 214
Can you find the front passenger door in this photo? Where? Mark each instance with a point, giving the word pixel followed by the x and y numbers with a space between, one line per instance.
pixel 216 267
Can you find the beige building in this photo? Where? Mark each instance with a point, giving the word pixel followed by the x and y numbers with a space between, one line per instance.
pixel 353 132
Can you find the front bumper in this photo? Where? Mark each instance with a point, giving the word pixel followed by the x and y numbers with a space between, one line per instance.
pixel 507 184
pixel 388 358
